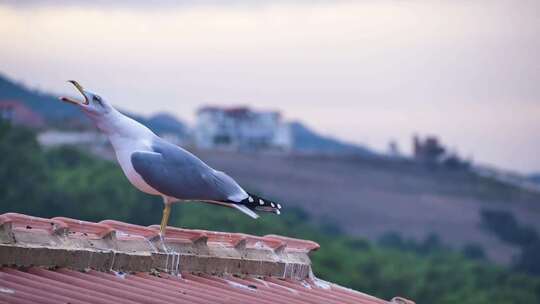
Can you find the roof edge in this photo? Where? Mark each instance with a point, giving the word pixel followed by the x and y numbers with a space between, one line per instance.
pixel 112 245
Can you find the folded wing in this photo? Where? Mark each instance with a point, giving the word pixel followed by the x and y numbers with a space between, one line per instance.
pixel 177 173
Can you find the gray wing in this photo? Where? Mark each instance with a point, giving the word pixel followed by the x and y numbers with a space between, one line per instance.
pixel 177 173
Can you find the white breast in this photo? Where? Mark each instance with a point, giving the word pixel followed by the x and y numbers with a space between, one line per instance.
pixel 127 136
pixel 124 149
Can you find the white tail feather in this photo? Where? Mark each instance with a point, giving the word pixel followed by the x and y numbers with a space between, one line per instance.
pixel 246 210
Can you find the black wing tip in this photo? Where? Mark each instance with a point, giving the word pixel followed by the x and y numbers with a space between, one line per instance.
pixel 258 203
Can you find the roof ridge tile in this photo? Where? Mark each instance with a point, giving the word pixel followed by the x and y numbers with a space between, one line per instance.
pixel 130 230
pixel 23 221
pixel 87 229
pixel 210 265
pixel 175 234
pixel 294 243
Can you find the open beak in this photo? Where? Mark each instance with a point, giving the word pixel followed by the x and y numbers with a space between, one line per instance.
pixel 74 101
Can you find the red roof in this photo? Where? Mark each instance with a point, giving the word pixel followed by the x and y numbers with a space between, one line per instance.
pixel 63 260
pixel 39 285
pixel 20 114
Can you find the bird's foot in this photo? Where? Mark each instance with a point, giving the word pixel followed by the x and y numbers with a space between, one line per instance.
pixel 163 244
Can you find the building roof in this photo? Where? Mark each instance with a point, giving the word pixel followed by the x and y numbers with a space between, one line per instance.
pixel 228 110
pixel 237 112
pixel 63 260
pixel 21 114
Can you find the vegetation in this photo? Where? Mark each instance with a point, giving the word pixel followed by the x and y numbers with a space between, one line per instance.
pixel 505 226
pixel 67 182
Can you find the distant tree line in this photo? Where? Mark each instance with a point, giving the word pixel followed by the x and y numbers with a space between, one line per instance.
pixel 504 225
pixel 430 245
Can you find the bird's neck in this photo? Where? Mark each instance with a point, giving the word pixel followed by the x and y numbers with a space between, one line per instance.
pixel 118 126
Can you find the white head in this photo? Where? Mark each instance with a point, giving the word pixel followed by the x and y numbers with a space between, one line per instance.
pixel 107 118
pixel 93 104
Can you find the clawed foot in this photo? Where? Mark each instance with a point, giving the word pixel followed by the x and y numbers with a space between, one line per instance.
pixel 163 244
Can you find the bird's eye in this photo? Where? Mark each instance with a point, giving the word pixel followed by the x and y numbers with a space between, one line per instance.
pixel 97 98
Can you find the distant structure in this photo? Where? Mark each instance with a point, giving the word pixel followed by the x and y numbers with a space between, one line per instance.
pixel 241 128
pixel 53 138
pixel 91 141
pixel 431 151
pixel 428 150
pixel 393 149
pixel 17 113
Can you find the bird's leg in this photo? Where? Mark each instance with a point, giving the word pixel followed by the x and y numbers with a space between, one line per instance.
pixel 164 221
pixel 165 217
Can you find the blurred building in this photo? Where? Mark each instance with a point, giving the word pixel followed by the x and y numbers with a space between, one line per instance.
pixel 52 138
pixel 393 149
pixel 431 151
pixel 90 141
pixel 428 150
pixel 17 113
pixel 241 128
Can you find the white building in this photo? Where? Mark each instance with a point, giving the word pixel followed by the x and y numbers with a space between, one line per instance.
pixel 241 128
pixel 90 141
pixel 53 138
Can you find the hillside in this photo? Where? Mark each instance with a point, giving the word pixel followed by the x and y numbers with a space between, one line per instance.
pixel 307 141
pixel 58 115
pixel 371 197
pixel 535 178
pixel 45 104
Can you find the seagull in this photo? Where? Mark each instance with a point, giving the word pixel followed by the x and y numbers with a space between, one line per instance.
pixel 157 167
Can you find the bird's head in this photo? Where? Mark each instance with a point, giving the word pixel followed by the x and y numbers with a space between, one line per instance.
pixel 92 103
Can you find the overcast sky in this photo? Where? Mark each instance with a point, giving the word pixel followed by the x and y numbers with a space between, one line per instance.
pixel 364 71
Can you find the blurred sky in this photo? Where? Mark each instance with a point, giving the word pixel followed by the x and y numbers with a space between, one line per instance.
pixel 365 71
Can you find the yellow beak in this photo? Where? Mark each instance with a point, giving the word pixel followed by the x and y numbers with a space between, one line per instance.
pixel 80 89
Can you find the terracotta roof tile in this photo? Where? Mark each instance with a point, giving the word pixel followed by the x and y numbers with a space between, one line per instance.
pixel 87 261
pixel 127 230
pixel 295 244
pixel 38 285
pixel 26 222
pixel 85 229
